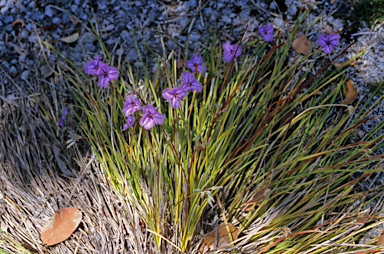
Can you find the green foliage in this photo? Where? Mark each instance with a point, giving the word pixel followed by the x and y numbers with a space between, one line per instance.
pixel 237 136
pixel 370 11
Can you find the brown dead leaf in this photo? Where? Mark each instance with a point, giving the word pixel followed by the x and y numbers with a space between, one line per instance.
pixel 339 65
pixel 328 29
pixel 73 19
pixel 363 219
pixel 381 238
pixel 256 199
pixel 352 93
pixel 64 223
pixel 17 21
pixel 71 38
pixel 333 1
pixel 223 239
pixel 180 63
pixel 302 45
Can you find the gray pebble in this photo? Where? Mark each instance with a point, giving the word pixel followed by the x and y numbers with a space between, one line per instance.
pixel 110 27
pixel 292 9
pixel 13 69
pixel 87 38
pixel 22 58
pixel 49 11
pixel 56 20
pixel 37 16
pixel 56 36
pixel 9 28
pixel 33 38
pixel 288 2
pixel 77 2
pixel 183 21
pixel 5 64
pixel 2 2
pixel 118 51
pixel 32 5
pixel 25 75
pixel 110 41
pixel 132 55
pixel 1 23
pixel 226 19
pixel 194 37
pixel 102 6
pixel 83 16
pixel 66 18
pixel 14 61
pixel 8 19
pixel 74 8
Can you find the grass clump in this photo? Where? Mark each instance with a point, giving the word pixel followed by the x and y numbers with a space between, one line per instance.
pixel 257 126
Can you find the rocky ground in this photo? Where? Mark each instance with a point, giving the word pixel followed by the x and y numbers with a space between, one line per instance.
pixel 24 24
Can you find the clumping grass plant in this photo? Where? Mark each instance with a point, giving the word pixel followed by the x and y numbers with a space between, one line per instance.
pixel 225 138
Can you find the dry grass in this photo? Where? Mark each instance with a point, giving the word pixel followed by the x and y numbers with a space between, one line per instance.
pixel 39 175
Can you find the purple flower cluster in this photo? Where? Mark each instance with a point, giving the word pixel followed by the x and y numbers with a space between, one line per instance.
pixel 150 115
pixel 230 51
pixel 176 95
pixel 328 42
pixel 102 70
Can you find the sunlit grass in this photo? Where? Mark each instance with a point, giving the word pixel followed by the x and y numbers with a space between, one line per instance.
pixel 249 129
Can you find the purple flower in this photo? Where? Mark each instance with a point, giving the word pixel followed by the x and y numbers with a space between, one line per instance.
pixel 267 32
pixel 61 123
pixel 65 110
pixel 108 73
pixel 130 122
pixel 94 67
pixel 151 117
pixel 132 104
pixel 190 83
pixel 328 42
pixel 174 96
pixel 196 60
pixel 229 51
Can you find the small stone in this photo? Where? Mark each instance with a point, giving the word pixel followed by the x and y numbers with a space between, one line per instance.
pixel 49 11
pixel 110 27
pixel 25 75
pixel 125 35
pixel 194 37
pixel 32 5
pixel 8 19
pixel 74 8
pixel 102 6
pixel 110 41
pixel 33 38
pixel 22 58
pixel 77 2
pixel 56 20
pixel 83 16
pixel 87 38
pixel 66 18
pixel 3 2
pixel 37 15
pixel 9 28
pixel 183 21
pixel 226 19
pixel 273 5
pixel 14 61
pixel 118 51
pixel 292 9
pixel 13 69
pixel 132 55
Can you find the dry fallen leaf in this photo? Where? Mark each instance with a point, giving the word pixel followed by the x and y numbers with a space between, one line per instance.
pixel 73 19
pixel 71 38
pixel 339 65
pixel 363 219
pixel 256 198
pixel 180 63
pixel 223 240
pixel 381 238
pixel 64 223
pixel 352 93
pixel 18 21
pixel 333 1
pixel 302 45
pixel 328 29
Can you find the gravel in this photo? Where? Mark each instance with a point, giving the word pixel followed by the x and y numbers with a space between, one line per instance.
pixel 120 22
